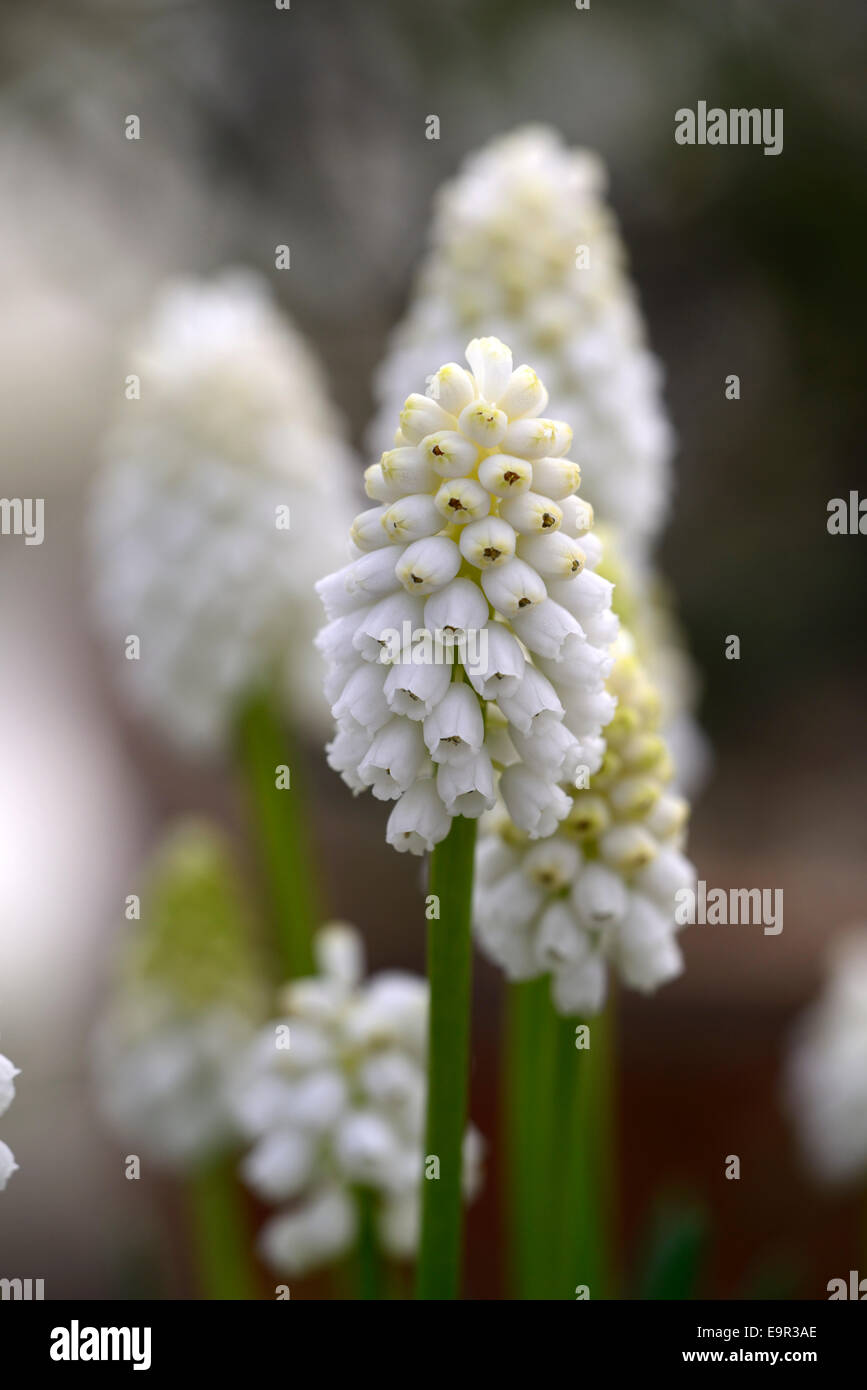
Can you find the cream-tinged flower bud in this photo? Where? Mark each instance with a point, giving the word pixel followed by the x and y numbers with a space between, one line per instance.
pixel 411 519
pixel 532 513
pixel 669 816
pixel 407 468
pixel 512 587
pixel 452 387
pixel 422 416
pixel 504 475
pixel 378 487
pixel 524 394
pixel 462 500
pixel 552 864
pixel 363 581
pixel 491 364
pixel 556 556
pixel 428 564
pixel 537 439
pixel 487 544
pixel 483 423
pixel 449 453
pixel 627 848
pixel 488 619
pixel 577 516
pixel 557 478
pixel 549 631
pixel 367 531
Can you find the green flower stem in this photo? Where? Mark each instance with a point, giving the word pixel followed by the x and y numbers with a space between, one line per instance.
pixel 220 1233
pixel 561 1147
pixel 263 746
pixel 369 1273
pixel 586 1160
pixel 449 975
pixel 531 1108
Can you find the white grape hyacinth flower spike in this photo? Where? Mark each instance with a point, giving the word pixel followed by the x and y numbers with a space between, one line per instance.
pixel 601 892
pixel 331 1096
pixel 467 642
pixel 226 492
pixel 8 1073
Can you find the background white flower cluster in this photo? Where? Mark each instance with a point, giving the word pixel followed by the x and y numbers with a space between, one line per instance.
pixel 8 1073
pixel 476 530
pixel 600 892
pixel 827 1067
pixel 233 424
pixel 332 1094
pixel 506 258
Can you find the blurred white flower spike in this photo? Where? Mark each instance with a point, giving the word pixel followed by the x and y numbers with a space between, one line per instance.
pixel 826 1078
pixel 525 246
pixel 475 532
pixel 207 530
pixel 600 892
pixel 8 1073
pixel 188 1001
pixel 332 1095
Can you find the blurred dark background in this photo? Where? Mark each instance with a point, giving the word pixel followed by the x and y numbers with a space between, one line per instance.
pixel 307 127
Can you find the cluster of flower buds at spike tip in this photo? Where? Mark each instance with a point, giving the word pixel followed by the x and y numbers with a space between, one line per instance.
pixel 525 245
pixel 468 640
pixel 331 1096
pixel 8 1074
pixel 602 890
pixel 826 1076
pixel 207 529
pixel 188 1000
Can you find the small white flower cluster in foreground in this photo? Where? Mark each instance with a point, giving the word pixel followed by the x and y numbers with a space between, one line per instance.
pixel 8 1074
pixel 475 532
pixel 333 1094
pixel 207 533
pixel 602 889
pixel 525 246
pixel 827 1069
